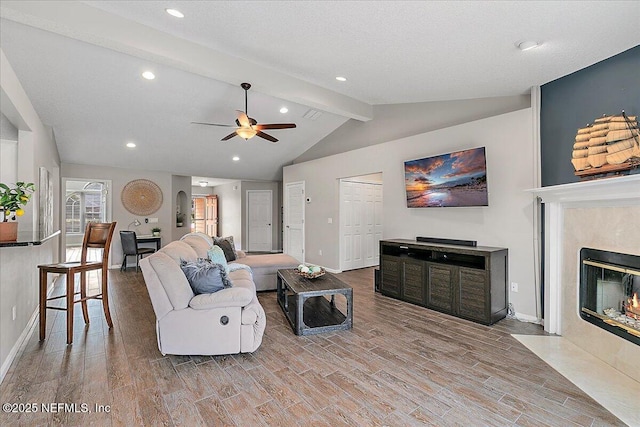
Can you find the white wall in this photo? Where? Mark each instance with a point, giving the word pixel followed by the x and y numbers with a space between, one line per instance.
pixel 196 190
pixel 7 129
pixel 119 178
pixel 506 222
pixel 230 211
pixel 18 265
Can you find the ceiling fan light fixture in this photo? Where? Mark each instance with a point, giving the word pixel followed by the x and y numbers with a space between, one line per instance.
pixel 246 132
pixel 203 183
pixel 174 12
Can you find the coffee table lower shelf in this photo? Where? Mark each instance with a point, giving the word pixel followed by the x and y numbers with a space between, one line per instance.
pixel 314 311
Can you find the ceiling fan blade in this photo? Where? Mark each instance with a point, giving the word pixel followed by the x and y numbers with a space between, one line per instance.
pixel 243 119
pixel 266 136
pixel 228 137
pixel 262 126
pixel 212 124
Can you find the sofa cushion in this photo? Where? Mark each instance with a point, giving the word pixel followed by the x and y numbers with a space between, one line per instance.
pixel 198 244
pixel 270 262
pixel 179 251
pixel 242 279
pixel 231 297
pixel 228 246
pixel 204 276
pixel 200 235
pixel 173 280
pixel 216 256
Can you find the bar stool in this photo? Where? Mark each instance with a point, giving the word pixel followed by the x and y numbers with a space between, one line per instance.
pixel 96 235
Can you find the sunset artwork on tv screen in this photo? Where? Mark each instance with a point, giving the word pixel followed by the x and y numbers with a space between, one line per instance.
pixel 448 180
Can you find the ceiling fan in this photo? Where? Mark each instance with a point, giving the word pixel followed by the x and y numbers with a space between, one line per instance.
pixel 248 127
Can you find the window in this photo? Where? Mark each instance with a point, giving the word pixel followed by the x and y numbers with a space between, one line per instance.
pixel 72 214
pixel 83 206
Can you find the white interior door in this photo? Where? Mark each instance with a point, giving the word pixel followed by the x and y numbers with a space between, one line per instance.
pixel 294 220
pixel 377 222
pixel 259 223
pixel 360 224
pixel 351 222
pixel 368 236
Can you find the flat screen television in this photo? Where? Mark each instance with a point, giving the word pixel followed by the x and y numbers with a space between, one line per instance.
pixel 448 180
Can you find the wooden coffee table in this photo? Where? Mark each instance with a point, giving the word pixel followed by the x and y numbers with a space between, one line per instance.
pixel 304 304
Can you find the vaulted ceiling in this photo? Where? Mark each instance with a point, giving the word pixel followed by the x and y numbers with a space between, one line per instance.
pixel 81 63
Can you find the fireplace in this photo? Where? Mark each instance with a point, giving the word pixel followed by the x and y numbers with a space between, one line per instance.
pixel 609 289
pixel 592 214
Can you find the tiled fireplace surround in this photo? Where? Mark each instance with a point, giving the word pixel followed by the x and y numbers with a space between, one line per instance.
pixel 601 214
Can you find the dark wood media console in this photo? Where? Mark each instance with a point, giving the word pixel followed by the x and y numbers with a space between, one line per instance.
pixel 467 282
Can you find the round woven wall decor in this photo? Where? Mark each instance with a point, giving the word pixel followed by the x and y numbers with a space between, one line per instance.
pixel 141 197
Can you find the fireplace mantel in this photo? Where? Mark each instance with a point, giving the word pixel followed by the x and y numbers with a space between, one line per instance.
pixel 620 190
pixel 609 192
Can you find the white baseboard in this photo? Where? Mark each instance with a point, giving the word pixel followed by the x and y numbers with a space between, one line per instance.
pixel 19 345
pixel 331 270
pixel 24 337
pixel 527 318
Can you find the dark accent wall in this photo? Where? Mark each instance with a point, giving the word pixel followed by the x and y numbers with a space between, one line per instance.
pixel 572 101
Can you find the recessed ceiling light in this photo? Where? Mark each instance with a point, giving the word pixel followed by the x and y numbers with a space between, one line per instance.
pixel 203 183
pixel 284 110
pixel 235 158
pixel 131 144
pixel 148 75
pixel 527 45
pixel 341 79
pixel 175 12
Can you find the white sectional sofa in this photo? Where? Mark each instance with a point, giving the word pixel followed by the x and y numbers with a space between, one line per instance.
pixel 264 266
pixel 226 322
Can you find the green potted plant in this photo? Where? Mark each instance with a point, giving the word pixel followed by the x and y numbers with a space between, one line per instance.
pixel 12 199
pixel 156 231
pixel 179 219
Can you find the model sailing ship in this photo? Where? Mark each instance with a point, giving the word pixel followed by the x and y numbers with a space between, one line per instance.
pixel 610 144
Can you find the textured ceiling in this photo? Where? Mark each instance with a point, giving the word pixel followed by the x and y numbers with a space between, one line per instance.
pixel 405 51
pixel 80 64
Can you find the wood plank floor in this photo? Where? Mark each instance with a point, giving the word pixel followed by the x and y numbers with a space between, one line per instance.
pixel 400 365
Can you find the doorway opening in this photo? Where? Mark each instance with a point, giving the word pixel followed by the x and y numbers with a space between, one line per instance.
pixel 86 200
pixel 204 214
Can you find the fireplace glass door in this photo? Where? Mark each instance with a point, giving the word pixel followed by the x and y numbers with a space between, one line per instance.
pixel 609 292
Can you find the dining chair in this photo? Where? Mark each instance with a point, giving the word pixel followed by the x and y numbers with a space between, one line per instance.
pixel 96 235
pixel 130 247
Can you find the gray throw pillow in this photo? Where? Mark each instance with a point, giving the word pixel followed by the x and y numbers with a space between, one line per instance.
pixel 204 276
pixel 227 248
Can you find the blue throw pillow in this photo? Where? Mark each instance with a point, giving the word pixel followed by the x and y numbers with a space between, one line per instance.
pixel 216 256
pixel 204 276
